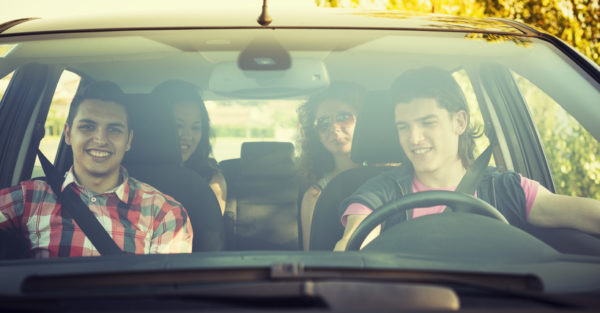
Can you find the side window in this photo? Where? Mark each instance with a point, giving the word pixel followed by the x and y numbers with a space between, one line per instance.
pixel 57 116
pixel 572 153
pixel 476 117
pixel 4 81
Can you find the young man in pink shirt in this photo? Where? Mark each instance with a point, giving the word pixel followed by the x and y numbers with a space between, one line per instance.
pixel 432 119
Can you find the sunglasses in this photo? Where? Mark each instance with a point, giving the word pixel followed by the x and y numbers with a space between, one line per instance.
pixel 324 123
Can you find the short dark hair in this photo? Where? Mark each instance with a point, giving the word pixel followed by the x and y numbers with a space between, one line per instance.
pixel 102 90
pixel 436 83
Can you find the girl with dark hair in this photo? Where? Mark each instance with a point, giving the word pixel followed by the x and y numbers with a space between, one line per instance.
pixel 327 122
pixel 193 125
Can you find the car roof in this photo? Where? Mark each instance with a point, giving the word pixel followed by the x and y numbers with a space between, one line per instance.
pixel 247 18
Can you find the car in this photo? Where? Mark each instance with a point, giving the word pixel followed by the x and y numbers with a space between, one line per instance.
pixel 535 99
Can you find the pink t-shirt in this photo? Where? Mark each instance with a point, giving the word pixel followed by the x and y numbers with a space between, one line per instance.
pixel 529 186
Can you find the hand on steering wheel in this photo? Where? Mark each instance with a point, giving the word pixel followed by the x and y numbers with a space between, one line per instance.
pixel 455 202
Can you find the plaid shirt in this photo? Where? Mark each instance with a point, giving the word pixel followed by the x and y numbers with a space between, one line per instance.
pixel 139 218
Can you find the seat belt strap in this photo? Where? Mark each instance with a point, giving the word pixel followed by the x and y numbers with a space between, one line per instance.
pixel 469 183
pixel 80 212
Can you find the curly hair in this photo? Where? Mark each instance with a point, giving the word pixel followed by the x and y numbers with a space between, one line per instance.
pixel 315 161
pixel 173 92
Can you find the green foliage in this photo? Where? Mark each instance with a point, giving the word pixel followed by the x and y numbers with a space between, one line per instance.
pixel 575 21
pixel 572 153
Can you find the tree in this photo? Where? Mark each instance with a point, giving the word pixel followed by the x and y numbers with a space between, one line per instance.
pixel 575 21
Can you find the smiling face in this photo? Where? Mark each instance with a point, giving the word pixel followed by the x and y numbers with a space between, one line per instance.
pixel 99 136
pixel 188 118
pixel 429 134
pixel 335 122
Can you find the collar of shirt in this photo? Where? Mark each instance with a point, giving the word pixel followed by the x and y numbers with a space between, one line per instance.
pixel 121 190
pixel 418 186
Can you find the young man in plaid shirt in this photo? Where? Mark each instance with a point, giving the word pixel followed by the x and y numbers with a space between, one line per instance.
pixel 138 217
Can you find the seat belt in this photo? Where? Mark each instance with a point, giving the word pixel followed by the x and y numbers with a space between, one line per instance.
pixel 79 211
pixel 469 183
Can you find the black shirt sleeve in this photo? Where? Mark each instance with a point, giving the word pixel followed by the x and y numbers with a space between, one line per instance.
pixel 376 192
pixel 510 198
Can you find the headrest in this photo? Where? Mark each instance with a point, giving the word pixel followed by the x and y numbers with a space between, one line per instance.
pixel 375 136
pixel 155 137
pixel 256 150
pixel 267 159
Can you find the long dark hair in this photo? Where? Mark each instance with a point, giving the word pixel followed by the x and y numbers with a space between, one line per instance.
pixel 315 161
pixel 173 92
pixel 436 83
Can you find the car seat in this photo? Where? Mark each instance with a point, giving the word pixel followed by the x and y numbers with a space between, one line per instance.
pixel 155 159
pixel 375 143
pixel 261 212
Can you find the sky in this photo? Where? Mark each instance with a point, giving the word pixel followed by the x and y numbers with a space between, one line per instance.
pixel 14 9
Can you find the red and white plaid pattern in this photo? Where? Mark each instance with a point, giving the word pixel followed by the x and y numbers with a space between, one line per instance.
pixel 139 218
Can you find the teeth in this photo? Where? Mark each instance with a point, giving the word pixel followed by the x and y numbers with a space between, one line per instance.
pixel 421 151
pixel 99 154
pixel 184 147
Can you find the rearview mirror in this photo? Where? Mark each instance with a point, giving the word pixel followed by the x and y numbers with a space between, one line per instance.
pixel 302 77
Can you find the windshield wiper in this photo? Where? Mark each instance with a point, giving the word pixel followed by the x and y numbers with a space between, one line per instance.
pixel 293 280
pixel 524 286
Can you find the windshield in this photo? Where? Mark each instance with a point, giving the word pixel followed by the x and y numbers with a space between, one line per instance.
pixel 258 144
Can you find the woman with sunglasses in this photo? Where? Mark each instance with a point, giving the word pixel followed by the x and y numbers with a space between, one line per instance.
pixel 327 122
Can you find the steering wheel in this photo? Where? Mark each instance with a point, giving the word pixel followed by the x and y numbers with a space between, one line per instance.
pixel 455 202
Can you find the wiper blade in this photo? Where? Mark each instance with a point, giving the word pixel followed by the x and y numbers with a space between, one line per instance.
pixel 494 280
pixel 289 280
pixel 522 286
pixel 277 272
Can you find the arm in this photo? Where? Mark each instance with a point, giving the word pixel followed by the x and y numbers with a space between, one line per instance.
pixel 552 210
pixel 309 200
pixel 12 206
pixel 376 192
pixel 219 188
pixel 14 239
pixel 172 230
pixel 352 223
